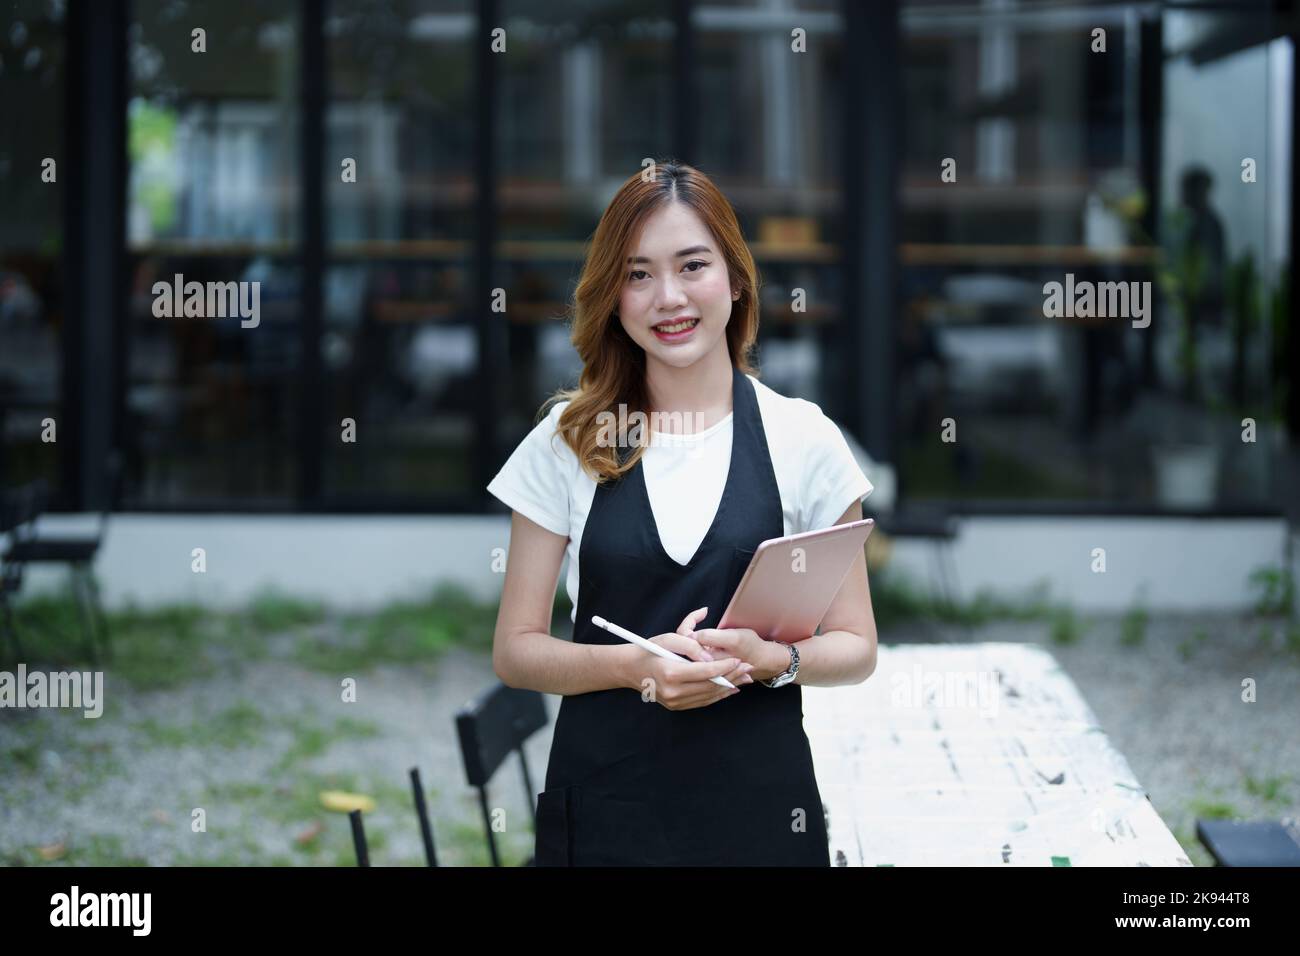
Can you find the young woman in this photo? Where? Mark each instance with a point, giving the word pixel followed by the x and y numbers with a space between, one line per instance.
pixel 652 763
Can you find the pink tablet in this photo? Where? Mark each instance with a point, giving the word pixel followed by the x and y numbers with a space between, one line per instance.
pixel 791 581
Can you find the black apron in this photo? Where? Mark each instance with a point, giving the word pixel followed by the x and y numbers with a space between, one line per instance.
pixel 632 783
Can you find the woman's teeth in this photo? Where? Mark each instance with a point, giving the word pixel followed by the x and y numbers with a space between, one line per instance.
pixel 677 327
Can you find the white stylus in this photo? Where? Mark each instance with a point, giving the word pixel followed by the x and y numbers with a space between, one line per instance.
pixel 649 645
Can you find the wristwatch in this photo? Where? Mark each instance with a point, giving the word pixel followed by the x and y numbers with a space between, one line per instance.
pixel 786 676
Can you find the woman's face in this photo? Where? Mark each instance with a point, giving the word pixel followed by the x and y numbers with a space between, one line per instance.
pixel 676 299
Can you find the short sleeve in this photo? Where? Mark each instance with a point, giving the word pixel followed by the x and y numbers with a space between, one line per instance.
pixel 832 478
pixel 537 477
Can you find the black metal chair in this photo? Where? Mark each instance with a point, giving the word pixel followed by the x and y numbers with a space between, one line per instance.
pixel 422 813
pixel 78 553
pixel 19 509
pixel 11 582
pixel 490 727
pixel 1250 842
pixel 359 838
pixel 362 849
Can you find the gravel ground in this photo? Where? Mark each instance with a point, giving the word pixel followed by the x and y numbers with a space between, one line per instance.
pixel 254 746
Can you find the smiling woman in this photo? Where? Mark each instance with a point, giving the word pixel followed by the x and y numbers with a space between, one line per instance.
pixel 653 763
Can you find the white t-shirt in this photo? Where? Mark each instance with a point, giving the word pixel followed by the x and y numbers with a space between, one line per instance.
pixel 816 474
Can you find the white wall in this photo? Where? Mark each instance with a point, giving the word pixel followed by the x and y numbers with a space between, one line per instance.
pixel 362 561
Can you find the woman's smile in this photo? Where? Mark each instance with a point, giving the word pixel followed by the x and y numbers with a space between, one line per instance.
pixel 676 330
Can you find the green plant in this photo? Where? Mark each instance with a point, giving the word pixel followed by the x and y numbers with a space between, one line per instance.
pixel 1065 627
pixel 1214 810
pixel 1133 625
pixel 895 598
pixel 1276 590
pixel 1244 291
pixel 1183 277
pixel 1269 788
pixel 1292 637
pixel 1188 647
pixel 271 612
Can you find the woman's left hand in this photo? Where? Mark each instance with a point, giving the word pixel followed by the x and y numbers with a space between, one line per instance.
pixel 747 645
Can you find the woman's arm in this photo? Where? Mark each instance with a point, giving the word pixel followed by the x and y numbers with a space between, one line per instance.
pixel 524 653
pixel 845 651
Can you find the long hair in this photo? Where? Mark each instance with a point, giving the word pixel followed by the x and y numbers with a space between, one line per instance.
pixel 613 365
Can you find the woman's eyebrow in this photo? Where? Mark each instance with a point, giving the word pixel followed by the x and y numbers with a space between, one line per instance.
pixel 677 255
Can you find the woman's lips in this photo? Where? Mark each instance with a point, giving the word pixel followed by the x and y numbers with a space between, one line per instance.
pixel 684 330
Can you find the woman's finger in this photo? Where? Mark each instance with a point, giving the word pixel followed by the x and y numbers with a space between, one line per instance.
pixel 690 620
pixel 680 644
pixel 710 695
pixel 741 675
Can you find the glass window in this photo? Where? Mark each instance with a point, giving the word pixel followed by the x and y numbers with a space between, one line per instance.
pixel 770 111
pixel 1046 355
pixel 33 169
pixel 400 344
pixel 212 220
pixel 584 97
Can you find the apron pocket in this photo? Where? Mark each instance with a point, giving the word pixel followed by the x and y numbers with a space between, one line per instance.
pixel 611 831
pixel 554 827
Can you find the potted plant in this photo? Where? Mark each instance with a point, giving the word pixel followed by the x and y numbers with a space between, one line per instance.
pixel 1185 455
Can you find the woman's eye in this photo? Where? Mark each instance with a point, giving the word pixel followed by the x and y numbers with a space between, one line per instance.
pixel 697 263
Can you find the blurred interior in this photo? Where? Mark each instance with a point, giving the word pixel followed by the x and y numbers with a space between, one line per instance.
pixel 476 173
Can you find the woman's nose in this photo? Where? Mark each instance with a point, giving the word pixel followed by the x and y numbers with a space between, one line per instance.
pixel 670 294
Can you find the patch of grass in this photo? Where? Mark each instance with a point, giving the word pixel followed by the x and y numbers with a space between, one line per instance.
pixel 463 842
pixel 1064 626
pixel 172 645
pixel 238 791
pixel 272 612
pixel 1291 639
pixel 162 647
pixel 223 850
pixel 296 805
pixel 26 757
pixel 241 725
pixel 93 849
pixel 244 725
pixel 310 738
pixel 1133 625
pixel 84 763
pixel 405 632
pixel 1268 788
pixel 49 628
pixel 1276 590
pixel 895 598
pixel 1289 634
pixel 1213 810
pixel 1187 647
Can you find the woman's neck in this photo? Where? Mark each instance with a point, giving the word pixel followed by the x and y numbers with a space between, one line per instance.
pixel 699 394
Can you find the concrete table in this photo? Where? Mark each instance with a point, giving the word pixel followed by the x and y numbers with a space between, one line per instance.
pixel 976 755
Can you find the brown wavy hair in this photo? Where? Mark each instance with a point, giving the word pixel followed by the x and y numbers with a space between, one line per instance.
pixel 613 365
